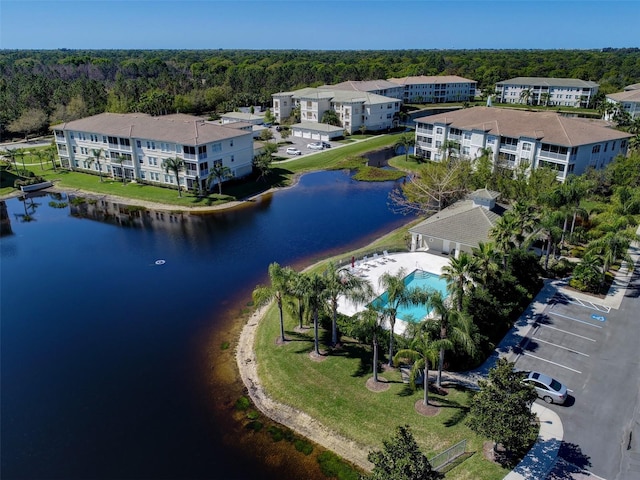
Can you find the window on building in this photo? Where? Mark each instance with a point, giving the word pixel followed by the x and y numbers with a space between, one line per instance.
pixel 124 142
pixel 188 150
pixel 526 147
pixel 138 144
pixel 439 131
pixel 438 143
pixel 606 144
pixel 204 166
pixel 140 159
pixel 467 135
pixel 595 149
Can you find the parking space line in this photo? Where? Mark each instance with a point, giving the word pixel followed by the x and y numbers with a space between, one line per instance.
pixel 568 333
pixel 560 346
pixel 553 363
pixel 575 319
pixel 585 304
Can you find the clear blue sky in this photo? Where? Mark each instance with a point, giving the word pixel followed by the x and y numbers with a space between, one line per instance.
pixel 318 24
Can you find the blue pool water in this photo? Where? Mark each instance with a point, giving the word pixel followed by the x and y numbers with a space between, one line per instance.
pixel 417 279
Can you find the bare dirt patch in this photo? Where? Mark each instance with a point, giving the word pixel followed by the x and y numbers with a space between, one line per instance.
pixel 430 410
pixel 380 386
pixel 318 358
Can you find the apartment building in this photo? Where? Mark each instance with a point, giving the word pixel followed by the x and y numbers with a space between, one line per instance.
pixel 134 145
pixel 355 109
pixel 436 89
pixel 521 138
pixel 566 92
pixel 379 87
pixel 628 101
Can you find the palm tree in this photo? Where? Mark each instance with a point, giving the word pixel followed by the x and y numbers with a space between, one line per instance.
pixel 423 351
pixel 544 98
pixel 454 325
pixel 51 155
pixel 42 155
pixel 173 165
pixel 398 295
pixel 459 276
pixel 12 154
pixel 278 289
pixel 218 173
pixel 525 96
pixel 548 227
pixel 502 234
pixel 370 320
pixel 316 295
pixel 448 147
pixel 611 247
pixel 343 283
pixel 97 154
pixel 298 289
pixel 119 159
pixel 405 142
pixel 486 258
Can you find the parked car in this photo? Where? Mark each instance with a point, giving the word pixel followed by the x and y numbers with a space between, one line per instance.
pixel 326 145
pixel 549 389
pixel 293 151
pixel 315 146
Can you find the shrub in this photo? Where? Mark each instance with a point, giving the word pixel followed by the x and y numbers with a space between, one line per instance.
pixel 303 446
pixel 333 467
pixel 242 404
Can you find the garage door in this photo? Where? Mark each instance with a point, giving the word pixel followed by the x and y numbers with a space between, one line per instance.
pixel 297 133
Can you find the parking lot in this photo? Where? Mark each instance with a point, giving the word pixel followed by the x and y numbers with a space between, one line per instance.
pixel 565 339
pixel 295 142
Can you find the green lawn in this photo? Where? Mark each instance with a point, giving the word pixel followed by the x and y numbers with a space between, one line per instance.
pixel 283 175
pixel 334 392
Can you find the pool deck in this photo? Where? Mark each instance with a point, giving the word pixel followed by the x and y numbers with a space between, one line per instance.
pixel 372 270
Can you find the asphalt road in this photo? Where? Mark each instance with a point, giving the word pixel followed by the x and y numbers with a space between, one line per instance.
pixel 593 349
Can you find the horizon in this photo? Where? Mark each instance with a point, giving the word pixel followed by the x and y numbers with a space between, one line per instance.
pixel 316 25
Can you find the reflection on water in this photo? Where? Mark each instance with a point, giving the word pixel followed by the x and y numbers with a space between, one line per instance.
pixel 108 360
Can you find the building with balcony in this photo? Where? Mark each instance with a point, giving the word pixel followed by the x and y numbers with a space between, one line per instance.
pixel 355 110
pixel 565 92
pixel 436 89
pixel 627 101
pixel 134 146
pixel 521 139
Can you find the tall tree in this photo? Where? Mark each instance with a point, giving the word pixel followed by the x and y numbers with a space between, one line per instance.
pixel 401 459
pixel 173 165
pixel 405 142
pixel 218 174
pixel 97 154
pixel 486 258
pixel 277 290
pixel 459 274
pixel 370 321
pixel 501 410
pixel 316 295
pixel 343 283
pixel 455 326
pixel 423 350
pixel 398 295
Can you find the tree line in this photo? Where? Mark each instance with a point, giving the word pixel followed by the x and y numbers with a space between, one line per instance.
pixel 43 87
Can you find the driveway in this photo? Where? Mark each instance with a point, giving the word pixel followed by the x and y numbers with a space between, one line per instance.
pixel 591 345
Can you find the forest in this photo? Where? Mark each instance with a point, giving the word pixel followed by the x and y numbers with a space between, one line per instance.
pixel 39 88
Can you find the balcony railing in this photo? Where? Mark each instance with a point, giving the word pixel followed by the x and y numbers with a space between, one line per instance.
pixel 555 156
pixel 506 146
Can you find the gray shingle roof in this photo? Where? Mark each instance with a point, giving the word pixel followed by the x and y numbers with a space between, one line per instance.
pixel 549 127
pixel 363 86
pixel 626 96
pixel 463 222
pixel 549 82
pixel 177 128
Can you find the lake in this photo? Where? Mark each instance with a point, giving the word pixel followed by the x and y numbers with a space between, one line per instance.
pixel 110 361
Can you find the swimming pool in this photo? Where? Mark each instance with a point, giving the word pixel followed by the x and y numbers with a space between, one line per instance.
pixel 416 279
